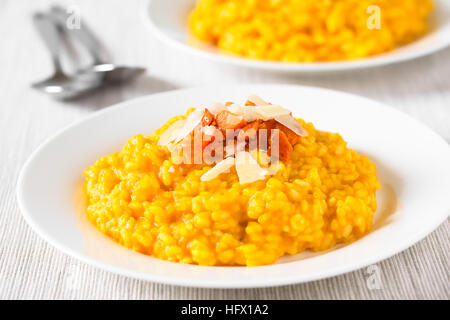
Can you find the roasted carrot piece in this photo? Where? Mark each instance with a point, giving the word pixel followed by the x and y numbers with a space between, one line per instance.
pixel 248 103
pixel 269 124
pixel 207 118
pixel 285 147
pixel 272 124
pixel 206 140
pixel 249 136
pixel 227 120
pixel 266 125
pixel 291 135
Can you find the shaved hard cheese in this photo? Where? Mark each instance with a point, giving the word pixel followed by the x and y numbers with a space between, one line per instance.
pixel 289 122
pixel 256 100
pixel 171 133
pixel 265 112
pixel 191 122
pixel 235 109
pixel 219 168
pixel 250 114
pixel 209 130
pixel 248 169
pixel 269 111
pixel 217 107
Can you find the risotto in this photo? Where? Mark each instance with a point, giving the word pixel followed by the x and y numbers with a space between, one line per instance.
pixel 313 194
pixel 309 30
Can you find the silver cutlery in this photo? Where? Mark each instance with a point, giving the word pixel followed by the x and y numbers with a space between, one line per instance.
pixel 60 85
pixel 111 73
pixel 52 27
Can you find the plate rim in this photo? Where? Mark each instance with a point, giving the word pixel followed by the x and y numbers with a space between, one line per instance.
pixel 196 283
pixel 320 67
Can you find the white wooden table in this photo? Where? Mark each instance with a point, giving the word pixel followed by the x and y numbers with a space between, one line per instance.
pixel 30 268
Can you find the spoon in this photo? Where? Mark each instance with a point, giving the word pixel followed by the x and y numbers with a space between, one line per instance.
pixel 109 72
pixel 60 85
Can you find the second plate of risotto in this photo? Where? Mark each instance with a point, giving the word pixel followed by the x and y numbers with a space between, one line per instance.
pixel 244 186
pixel 307 35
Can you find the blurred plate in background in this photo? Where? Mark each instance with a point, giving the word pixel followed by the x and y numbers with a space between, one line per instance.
pixel 168 21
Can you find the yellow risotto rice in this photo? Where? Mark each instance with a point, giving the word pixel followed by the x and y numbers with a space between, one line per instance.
pixel 324 195
pixel 309 30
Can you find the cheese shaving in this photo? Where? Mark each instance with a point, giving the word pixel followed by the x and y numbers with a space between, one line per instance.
pixel 171 133
pixel 264 112
pixel 289 122
pixel 256 100
pixel 191 122
pixel 250 114
pixel 235 109
pixel 216 107
pixel 269 111
pixel 248 169
pixel 209 130
pixel 219 168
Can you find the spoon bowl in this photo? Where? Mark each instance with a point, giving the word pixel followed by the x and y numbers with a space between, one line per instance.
pixel 111 73
pixel 61 86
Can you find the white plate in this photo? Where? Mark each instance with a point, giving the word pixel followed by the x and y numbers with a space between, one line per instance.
pixel 413 167
pixel 168 21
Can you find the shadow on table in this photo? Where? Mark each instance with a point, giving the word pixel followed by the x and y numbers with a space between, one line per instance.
pixel 104 97
pixel 412 78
